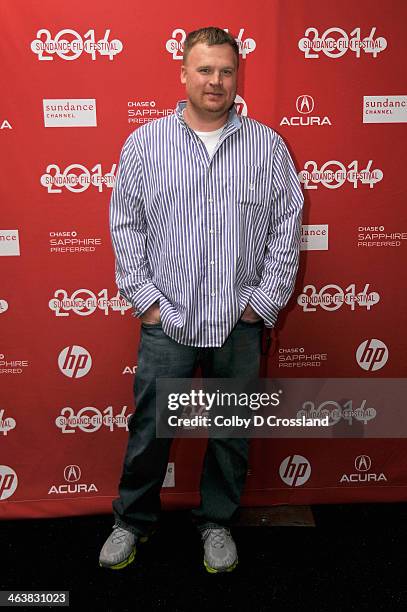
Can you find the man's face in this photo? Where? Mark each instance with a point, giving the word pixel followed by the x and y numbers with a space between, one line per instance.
pixel 210 78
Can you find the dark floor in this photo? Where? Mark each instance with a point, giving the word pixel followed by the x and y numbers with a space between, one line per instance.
pixel 355 558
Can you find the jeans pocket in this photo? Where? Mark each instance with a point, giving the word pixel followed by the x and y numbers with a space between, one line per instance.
pixel 151 325
pixel 251 323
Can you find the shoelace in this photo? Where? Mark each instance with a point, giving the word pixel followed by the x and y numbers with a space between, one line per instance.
pixel 119 535
pixel 218 536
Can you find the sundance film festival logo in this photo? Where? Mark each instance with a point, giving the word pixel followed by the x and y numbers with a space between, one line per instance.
pixel 72 475
pixel 74 361
pixel 9 243
pixel 90 419
pixel 338 411
pixel 77 178
pixel 175 45
pixel 241 106
pixel 363 464
pixel 335 42
pixel 295 470
pixel 6 424
pixel 333 174
pixel 332 297
pixel 69 45
pixel 8 482
pixel 70 112
pixel 3 306
pixel 84 302
pixel 305 105
pixel 372 355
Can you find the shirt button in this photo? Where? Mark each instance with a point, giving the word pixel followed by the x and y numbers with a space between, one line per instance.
pixel 211 231
pixel 210 201
pixel 213 294
pixel 212 262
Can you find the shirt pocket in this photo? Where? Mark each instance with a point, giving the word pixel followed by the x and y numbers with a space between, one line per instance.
pixel 249 187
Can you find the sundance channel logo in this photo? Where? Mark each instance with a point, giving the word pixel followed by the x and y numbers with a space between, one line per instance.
pixel 314 237
pixel 384 109
pixel 64 112
pixel 9 243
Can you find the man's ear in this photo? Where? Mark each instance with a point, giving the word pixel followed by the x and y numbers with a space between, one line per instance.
pixel 183 74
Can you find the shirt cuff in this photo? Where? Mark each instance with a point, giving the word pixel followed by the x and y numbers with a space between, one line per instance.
pixel 144 298
pixel 264 306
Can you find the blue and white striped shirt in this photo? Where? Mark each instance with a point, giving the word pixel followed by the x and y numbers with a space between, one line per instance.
pixel 206 236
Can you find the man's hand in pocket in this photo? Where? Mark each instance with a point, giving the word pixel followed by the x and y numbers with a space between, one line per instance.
pixel 249 315
pixel 152 314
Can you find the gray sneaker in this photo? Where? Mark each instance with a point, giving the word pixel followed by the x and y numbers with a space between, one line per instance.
pixel 119 549
pixel 220 550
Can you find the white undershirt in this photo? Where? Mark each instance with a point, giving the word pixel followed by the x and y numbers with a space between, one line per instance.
pixel 210 139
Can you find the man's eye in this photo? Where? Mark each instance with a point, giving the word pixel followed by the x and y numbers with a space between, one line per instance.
pixel 203 70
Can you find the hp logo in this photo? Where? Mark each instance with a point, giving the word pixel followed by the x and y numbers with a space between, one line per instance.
pixel 295 470
pixel 372 355
pixel 74 361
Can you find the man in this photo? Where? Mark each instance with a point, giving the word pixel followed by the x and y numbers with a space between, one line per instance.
pixel 205 222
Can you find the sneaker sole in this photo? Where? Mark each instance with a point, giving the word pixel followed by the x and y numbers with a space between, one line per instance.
pixel 212 570
pixel 129 559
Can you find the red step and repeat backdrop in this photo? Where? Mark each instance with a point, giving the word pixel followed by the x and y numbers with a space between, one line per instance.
pixel 78 78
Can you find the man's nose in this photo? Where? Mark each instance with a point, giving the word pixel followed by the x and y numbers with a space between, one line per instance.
pixel 216 78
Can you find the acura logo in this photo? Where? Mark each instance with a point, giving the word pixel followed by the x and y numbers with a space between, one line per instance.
pixel 72 473
pixel 305 104
pixel 363 463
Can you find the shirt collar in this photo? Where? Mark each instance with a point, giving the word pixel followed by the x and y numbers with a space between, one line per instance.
pixel 233 118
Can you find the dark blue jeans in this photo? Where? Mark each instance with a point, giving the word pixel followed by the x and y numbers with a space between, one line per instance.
pixel 226 459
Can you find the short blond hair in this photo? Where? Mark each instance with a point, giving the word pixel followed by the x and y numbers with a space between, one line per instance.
pixel 209 36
